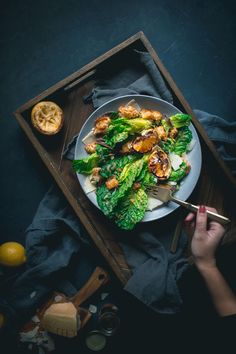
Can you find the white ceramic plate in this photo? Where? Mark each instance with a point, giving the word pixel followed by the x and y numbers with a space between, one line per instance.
pixel 194 156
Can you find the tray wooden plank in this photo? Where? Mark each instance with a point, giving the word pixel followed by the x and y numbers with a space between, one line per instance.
pixel 216 185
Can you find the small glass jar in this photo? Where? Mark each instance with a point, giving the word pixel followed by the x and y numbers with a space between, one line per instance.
pixel 95 340
pixel 108 319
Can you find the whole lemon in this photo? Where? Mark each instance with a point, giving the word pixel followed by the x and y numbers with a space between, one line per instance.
pixel 12 254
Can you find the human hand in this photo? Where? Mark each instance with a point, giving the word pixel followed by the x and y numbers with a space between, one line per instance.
pixel 206 237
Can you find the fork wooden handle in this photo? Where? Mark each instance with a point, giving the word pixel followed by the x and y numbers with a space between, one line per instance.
pixel 213 216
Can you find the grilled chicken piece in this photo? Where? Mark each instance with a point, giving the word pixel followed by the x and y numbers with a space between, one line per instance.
pixel 95 177
pixel 128 112
pixel 112 182
pixel 160 131
pixel 101 125
pixel 127 148
pixel 136 185
pixel 91 148
pixel 145 143
pixel 173 133
pixel 150 114
pixel 159 164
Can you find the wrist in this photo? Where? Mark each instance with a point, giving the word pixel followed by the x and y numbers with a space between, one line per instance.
pixel 204 266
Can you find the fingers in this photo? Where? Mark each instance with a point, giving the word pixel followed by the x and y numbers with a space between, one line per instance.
pixel 211 209
pixel 189 217
pixel 201 219
pixel 216 229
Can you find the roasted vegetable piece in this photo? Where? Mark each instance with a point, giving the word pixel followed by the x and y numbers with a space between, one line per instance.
pixel 128 112
pixel 180 120
pixel 159 164
pixel 145 143
pixel 127 148
pixel 87 164
pixel 112 183
pixel 151 114
pixel 95 175
pixel 161 133
pixel 91 148
pixel 173 133
pixel 101 125
pixel 131 209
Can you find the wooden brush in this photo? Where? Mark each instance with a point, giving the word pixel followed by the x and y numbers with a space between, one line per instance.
pixel 98 278
pixel 65 317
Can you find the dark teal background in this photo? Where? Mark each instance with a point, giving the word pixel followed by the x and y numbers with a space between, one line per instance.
pixel 42 42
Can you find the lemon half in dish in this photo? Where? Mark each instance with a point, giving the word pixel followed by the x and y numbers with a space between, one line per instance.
pixel 47 117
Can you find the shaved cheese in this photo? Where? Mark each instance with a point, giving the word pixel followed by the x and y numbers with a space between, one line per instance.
pixel 104 295
pixel 39 337
pixel 92 308
pixel 134 104
pixel 153 203
pixel 89 138
pixel 58 298
pixel 175 160
pixel 61 319
pixel 88 186
pixel 35 319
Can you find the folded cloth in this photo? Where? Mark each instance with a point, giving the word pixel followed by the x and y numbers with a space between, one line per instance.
pixel 223 134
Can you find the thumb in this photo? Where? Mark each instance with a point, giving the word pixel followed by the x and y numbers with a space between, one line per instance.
pixel 201 219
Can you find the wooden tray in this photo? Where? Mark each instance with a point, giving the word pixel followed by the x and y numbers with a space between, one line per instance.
pixel 216 185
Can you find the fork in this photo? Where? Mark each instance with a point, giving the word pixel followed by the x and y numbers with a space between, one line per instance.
pixel 165 195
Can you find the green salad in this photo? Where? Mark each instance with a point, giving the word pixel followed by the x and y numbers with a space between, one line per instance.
pixel 130 150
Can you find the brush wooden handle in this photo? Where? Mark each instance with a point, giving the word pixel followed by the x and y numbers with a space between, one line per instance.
pixel 98 278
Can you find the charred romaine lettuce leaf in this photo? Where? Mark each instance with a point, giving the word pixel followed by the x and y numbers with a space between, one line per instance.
pixel 166 125
pixel 180 120
pixel 104 196
pixel 183 139
pixel 131 209
pixel 103 152
pixel 168 145
pixel 126 180
pixel 114 166
pixel 86 165
pixel 120 129
pixel 180 173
